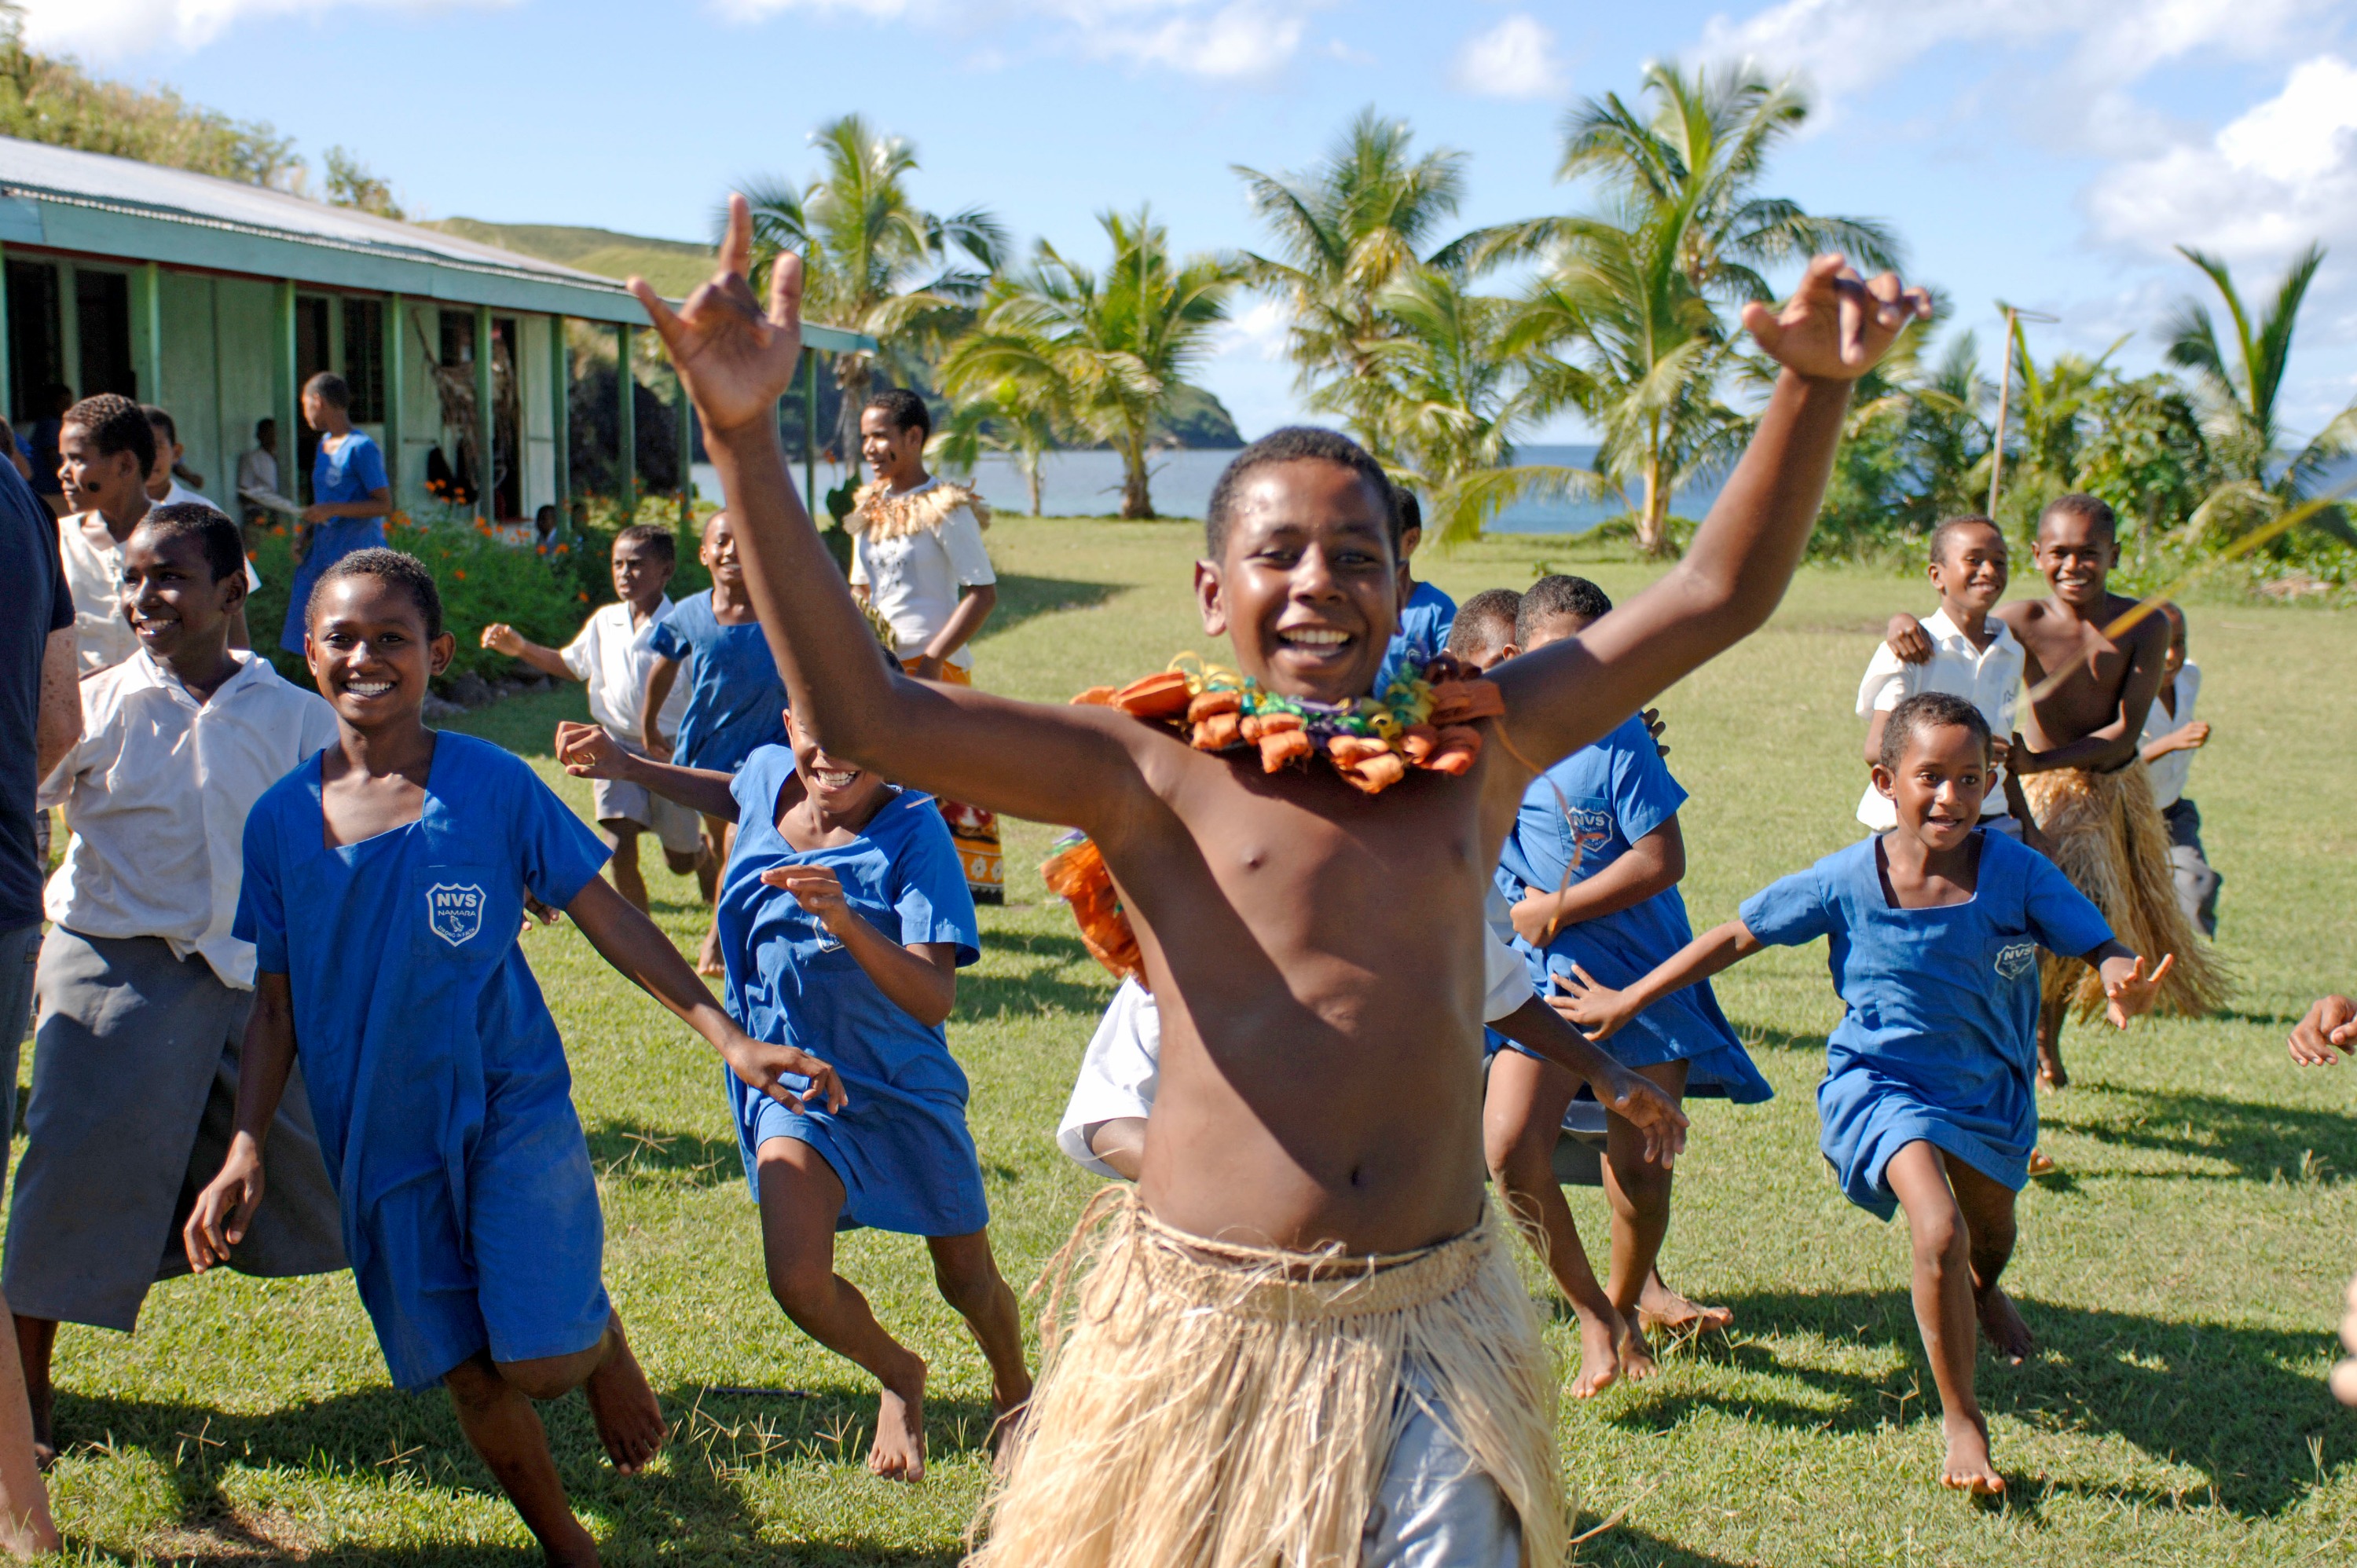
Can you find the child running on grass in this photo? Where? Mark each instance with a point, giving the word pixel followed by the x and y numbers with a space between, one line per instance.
pixel 1927 1100
pixel 385 883
pixel 1300 1333
pixel 845 917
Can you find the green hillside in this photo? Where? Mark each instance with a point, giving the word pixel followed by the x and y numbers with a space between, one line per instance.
pixel 674 266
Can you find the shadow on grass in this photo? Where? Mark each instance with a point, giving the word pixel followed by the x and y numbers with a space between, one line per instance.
pixel 1025 598
pixel 525 724
pixel 382 1437
pixel 626 1149
pixel 1043 984
pixel 2257 1140
pixel 2223 1400
pixel 1768 1037
pixel 1625 1544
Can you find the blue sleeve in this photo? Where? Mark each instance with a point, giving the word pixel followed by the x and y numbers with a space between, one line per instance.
pixel 755 784
pixel 2063 919
pixel 556 850
pixel 667 640
pixel 367 466
pixel 930 891
pixel 1789 911
pixel 1644 793
pixel 261 910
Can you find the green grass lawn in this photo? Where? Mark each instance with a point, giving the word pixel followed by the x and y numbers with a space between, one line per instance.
pixel 2182 1278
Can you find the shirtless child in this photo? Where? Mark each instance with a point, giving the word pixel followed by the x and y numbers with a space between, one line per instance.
pixel 1306 1272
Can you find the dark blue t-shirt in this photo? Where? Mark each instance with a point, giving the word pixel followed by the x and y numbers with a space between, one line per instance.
pixel 29 557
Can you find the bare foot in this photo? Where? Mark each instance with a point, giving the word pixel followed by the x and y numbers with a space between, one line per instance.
pixel 1660 1307
pixel 707 960
pixel 1637 1361
pixel 578 1553
pixel 1006 1425
pixel 1599 1355
pixel 1967 1467
pixel 2050 1067
pixel 628 1416
pixel 2042 1163
pixel 898 1453
pixel 2004 1327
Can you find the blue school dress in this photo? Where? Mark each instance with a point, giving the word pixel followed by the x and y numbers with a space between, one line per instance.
pixel 1424 626
pixel 735 699
pixel 901 1146
pixel 1941 1037
pixel 354 470
pixel 437 1081
pixel 1617 792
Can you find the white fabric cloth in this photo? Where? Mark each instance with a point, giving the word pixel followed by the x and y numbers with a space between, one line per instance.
pixel 2169 773
pixel 913 581
pixel 1989 678
pixel 1123 1062
pixel 613 657
pixel 94 562
pixel 257 470
pixel 157 794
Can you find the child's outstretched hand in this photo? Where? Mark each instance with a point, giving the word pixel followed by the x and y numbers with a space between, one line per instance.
pixel 587 751
pixel 225 1208
pixel 1837 326
pixel 1654 1114
pixel 502 637
pixel 759 1064
pixel 2128 990
pixel 733 360
pixel 2331 1024
pixel 1596 1011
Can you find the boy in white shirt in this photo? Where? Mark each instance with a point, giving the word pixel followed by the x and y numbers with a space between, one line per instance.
pixel 142 992
pixel 611 654
pixel 1963 650
pixel 2172 736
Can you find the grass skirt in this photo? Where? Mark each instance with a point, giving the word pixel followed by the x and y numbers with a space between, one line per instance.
pixel 2111 842
pixel 1204 1405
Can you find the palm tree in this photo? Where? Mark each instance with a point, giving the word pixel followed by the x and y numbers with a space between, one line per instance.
pixel 1344 230
pixel 2052 416
pixel 1106 352
pixel 874 261
pixel 1012 417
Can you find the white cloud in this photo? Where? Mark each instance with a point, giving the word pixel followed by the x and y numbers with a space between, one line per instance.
pixel 108 29
pixel 1238 40
pixel 1261 332
pixel 1516 59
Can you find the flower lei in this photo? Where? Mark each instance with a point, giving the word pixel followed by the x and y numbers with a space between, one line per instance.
pixel 1423 718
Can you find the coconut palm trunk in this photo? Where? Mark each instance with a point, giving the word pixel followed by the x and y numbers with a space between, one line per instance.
pixel 1653 523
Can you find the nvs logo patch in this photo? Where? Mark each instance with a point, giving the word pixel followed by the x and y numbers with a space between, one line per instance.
pixel 455 912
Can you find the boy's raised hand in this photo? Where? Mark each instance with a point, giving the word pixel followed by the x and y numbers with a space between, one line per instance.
pixel 2331 1027
pixel 2128 990
pixel 733 360
pixel 1594 1010
pixel 586 751
pixel 225 1208
pixel 1836 326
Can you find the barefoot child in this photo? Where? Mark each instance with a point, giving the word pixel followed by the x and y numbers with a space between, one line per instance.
pixel 1300 1331
pixel 843 921
pixel 2172 736
pixel 386 881
pixel 1927 1100
pixel 734 696
pixel 1592 870
pixel 612 653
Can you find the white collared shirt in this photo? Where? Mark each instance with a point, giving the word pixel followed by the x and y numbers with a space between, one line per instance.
pixel 2169 773
pixel 1989 678
pixel 156 793
pixel 613 657
pixel 93 563
pixel 914 580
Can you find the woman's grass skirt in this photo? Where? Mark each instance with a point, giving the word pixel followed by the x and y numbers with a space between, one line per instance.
pixel 1205 1405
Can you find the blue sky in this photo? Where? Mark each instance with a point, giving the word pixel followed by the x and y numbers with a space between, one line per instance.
pixel 2046 151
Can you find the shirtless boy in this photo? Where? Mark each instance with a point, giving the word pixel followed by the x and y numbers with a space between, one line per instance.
pixel 1234 1389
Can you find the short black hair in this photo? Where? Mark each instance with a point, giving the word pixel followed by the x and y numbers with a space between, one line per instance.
pixel 224 544
pixel 1946 528
pixel 2078 504
pixel 1407 515
pixel 395 570
pixel 115 424
pixel 658 540
pixel 1928 710
pixel 1559 595
pixel 1484 622
pixel 330 388
pixel 904 408
pixel 1292 444
pixel 161 421
pixel 261 426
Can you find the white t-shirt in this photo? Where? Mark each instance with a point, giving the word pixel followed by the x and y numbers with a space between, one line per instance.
pixel 156 793
pixel 613 657
pixel 914 580
pixel 93 563
pixel 1989 678
pixel 2169 773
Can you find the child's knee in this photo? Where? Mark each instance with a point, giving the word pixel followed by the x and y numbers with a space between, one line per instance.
pixel 799 1288
pixel 1940 1238
pixel 969 1285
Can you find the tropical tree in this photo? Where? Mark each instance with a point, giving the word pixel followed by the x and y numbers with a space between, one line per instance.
pixel 1106 352
pixel 2051 415
pixel 1014 417
pixel 874 261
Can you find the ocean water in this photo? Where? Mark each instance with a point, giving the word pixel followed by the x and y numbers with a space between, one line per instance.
pixel 1088 483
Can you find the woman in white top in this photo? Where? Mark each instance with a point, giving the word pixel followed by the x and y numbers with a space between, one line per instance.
pixel 919 564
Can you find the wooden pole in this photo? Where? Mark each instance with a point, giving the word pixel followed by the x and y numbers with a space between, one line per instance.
pixel 291 477
pixel 560 400
pixel 487 416
pixel 625 423
pixel 7 349
pixel 147 334
pixel 395 387
pixel 810 430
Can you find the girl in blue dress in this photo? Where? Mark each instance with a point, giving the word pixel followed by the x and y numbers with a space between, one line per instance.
pixel 1928 1100
pixel 385 884
pixel 350 498
pixel 844 920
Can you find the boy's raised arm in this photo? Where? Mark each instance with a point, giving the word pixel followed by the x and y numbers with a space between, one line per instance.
pixel 1832 330
pixel 1048 764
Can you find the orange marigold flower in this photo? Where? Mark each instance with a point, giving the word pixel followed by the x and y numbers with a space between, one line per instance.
pixel 461 573
pixel 583 595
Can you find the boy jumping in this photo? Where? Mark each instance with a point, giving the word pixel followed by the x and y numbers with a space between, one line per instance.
pixel 1303 1316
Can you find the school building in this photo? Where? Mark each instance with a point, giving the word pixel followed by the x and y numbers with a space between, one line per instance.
pixel 218 300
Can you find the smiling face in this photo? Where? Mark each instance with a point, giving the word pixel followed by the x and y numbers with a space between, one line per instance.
pixel 1307 590
pixel 640 574
pixel 718 555
pixel 1943 776
pixel 2076 553
pixel 897 457
pixel 111 483
pixel 172 600
pixel 2176 660
pixel 369 652
pixel 1972 569
pixel 842 790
